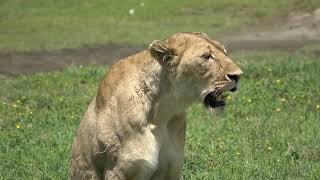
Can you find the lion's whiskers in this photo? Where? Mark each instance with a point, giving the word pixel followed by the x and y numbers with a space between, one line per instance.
pixel 211 111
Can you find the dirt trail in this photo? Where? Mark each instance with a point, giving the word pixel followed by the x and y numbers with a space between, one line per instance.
pixel 14 63
pixel 298 30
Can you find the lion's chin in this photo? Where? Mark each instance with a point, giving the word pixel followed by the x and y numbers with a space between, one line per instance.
pixel 217 110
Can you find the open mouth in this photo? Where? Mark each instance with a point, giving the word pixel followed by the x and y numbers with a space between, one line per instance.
pixel 215 99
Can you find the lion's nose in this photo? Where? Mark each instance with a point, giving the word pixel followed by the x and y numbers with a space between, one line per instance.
pixel 234 77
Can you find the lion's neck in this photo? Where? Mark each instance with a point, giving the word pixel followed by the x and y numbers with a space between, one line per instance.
pixel 162 95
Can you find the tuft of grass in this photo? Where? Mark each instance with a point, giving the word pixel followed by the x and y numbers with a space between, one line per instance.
pixel 55 24
pixel 269 131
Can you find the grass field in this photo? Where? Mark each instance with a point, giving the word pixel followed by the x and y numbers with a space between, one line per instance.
pixel 54 24
pixel 270 129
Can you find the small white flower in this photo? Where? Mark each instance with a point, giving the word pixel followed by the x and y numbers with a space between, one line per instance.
pixel 131 11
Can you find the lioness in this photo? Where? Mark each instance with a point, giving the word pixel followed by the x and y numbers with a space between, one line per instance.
pixel 135 126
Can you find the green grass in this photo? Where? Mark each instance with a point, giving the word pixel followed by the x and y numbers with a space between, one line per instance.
pixel 270 130
pixel 55 24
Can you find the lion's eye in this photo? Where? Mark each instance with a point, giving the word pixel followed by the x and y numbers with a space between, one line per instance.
pixel 207 56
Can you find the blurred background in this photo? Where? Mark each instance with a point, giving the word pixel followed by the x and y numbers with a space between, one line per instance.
pixel 56 33
pixel 54 53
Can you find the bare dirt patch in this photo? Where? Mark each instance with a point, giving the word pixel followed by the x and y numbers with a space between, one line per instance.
pixel 14 63
pixel 289 34
pixel 294 32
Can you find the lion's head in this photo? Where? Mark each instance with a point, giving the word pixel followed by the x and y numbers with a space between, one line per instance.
pixel 198 66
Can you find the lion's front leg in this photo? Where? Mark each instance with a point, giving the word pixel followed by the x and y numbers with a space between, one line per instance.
pixel 138 157
pixel 82 166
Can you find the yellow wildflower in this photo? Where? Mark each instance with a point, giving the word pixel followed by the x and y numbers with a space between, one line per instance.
pixel 249 100
pixel 14 105
pixel 318 106
pixel 278 109
pixel 269 148
pixel 283 99
pixel 278 81
pixel 228 97
pixel 18 126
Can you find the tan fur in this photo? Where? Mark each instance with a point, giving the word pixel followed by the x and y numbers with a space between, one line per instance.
pixel 135 126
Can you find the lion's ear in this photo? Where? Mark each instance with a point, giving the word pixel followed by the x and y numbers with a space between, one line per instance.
pixel 161 52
